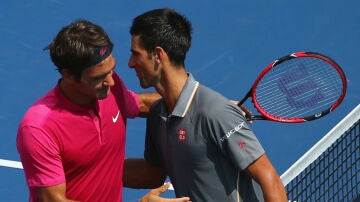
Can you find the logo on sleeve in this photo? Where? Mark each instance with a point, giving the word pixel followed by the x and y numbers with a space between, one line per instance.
pixel 182 135
pixel 241 144
pixel 232 131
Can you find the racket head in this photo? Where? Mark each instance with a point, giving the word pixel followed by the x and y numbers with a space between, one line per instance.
pixel 299 87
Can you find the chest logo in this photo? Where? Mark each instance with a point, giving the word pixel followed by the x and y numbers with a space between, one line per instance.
pixel 181 134
pixel 114 119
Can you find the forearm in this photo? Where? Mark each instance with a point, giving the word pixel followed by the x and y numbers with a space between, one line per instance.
pixel 139 174
pixel 265 174
pixel 145 101
pixel 55 193
pixel 274 190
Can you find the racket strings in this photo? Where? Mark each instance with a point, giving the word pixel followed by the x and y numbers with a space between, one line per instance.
pixel 299 87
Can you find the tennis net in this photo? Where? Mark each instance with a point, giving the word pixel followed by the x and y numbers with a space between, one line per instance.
pixel 330 170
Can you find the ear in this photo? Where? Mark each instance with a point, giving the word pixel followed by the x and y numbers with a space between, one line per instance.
pixel 159 54
pixel 157 58
pixel 66 75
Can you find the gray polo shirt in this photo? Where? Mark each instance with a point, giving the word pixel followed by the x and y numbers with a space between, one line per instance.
pixel 203 145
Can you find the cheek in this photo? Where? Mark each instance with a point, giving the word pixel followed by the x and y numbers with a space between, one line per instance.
pixel 91 87
pixel 150 66
pixel 97 87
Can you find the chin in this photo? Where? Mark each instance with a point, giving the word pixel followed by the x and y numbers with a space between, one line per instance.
pixel 103 95
pixel 144 85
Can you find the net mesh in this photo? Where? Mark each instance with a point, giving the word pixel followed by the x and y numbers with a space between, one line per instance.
pixel 329 171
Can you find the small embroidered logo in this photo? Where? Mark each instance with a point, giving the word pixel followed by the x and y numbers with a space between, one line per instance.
pixel 241 144
pixel 114 119
pixel 182 135
pixel 103 51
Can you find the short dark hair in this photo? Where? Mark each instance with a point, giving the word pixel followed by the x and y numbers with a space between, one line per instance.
pixel 165 28
pixel 74 46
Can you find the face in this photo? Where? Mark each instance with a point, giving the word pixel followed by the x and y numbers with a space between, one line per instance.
pixel 145 65
pixel 96 81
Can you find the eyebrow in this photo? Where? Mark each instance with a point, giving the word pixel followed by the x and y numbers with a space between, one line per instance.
pixel 134 51
pixel 106 73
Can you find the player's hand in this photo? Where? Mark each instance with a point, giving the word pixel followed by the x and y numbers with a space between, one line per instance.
pixel 154 195
pixel 246 111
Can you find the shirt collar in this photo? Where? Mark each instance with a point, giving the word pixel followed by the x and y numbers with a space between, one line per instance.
pixel 186 97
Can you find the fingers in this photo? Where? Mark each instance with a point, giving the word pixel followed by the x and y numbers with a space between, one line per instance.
pixel 160 189
pixel 183 199
pixel 165 187
pixel 154 195
pixel 235 102
pixel 246 112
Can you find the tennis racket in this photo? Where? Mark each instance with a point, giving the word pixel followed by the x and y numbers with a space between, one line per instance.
pixel 300 87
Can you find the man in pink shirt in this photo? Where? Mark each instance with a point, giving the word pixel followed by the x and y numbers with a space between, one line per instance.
pixel 72 140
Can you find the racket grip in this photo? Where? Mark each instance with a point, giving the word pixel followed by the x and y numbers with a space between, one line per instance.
pixel 254 117
pixel 245 98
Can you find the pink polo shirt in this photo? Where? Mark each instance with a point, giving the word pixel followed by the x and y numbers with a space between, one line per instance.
pixel 59 141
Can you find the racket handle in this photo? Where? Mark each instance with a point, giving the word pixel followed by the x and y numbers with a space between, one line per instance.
pixel 255 117
pixel 245 98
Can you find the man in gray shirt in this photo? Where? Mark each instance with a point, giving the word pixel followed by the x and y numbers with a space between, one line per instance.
pixel 194 135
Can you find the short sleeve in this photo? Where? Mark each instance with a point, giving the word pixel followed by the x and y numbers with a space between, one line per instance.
pixel 40 156
pixel 233 136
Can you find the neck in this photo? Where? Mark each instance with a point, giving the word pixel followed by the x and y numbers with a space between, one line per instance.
pixel 171 86
pixel 69 91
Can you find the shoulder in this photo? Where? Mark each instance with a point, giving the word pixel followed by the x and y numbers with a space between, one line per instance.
pixel 41 110
pixel 33 128
pixel 207 92
pixel 156 106
pixel 214 106
pixel 210 100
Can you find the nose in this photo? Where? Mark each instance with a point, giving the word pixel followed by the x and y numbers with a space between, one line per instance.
pixel 109 81
pixel 131 63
